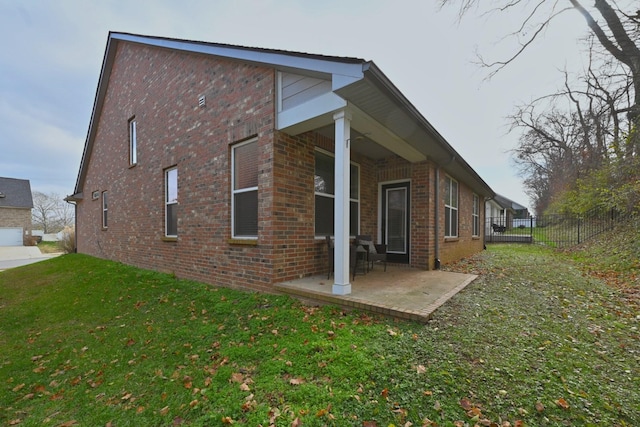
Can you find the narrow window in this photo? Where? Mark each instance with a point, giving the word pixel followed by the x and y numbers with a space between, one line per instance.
pixel 171 202
pixel 475 215
pixel 325 195
pixel 133 142
pixel 450 207
pixel 104 209
pixel 244 188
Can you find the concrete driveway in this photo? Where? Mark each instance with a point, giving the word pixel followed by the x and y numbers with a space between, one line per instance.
pixel 16 256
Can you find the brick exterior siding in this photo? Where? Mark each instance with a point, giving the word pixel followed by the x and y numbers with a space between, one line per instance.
pixel 161 88
pixel 17 217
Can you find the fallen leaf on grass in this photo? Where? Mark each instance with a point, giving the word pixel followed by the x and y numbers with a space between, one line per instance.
pixel 296 381
pixel 236 377
pixel 466 404
pixel 562 403
pixel 539 407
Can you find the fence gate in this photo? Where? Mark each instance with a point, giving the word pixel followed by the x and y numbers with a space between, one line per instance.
pixel 557 230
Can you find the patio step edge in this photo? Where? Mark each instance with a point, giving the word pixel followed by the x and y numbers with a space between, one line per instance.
pixel 353 303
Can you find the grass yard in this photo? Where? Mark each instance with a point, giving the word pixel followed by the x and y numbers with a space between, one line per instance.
pixel 533 342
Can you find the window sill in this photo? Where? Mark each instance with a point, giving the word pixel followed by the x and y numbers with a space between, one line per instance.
pixel 451 239
pixel 244 242
pixel 169 239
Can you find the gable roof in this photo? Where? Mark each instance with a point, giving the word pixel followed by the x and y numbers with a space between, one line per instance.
pixel 15 193
pixel 507 203
pixel 358 82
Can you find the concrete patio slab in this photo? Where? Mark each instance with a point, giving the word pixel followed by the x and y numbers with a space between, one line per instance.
pixel 399 292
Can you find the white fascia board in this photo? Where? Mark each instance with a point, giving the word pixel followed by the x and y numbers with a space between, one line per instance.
pixel 316 107
pixel 346 71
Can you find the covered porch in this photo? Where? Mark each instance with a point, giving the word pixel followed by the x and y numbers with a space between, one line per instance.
pixel 378 169
pixel 401 291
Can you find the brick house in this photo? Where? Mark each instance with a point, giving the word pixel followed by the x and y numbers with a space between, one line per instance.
pixel 16 203
pixel 230 165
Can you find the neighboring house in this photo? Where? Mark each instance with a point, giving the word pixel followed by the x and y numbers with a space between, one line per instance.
pixel 504 212
pixel 16 203
pixel 230 165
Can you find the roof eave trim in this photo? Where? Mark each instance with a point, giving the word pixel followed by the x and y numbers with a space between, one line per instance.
pixel 376 75
pixel 349 68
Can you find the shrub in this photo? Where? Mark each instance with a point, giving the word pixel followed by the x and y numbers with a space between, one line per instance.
pixel 68 241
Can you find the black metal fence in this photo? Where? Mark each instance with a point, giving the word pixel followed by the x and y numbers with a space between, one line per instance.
pixel 557 230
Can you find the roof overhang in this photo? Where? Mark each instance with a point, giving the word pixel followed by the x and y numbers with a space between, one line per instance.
pixel 379 110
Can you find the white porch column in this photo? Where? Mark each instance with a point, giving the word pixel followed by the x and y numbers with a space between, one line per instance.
pixel 342 120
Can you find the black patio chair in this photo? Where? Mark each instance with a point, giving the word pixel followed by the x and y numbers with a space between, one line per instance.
pixel 353 259
pixel 375 252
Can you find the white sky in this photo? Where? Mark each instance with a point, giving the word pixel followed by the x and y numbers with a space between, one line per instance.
pixel 51 53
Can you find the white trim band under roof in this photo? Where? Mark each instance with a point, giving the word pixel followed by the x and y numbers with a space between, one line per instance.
pixel 284 59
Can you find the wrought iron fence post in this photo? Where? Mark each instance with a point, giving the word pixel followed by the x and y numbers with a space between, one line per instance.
pixel 579 230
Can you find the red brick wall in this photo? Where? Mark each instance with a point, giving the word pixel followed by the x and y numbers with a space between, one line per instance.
pixel 453 249
pixel 161 89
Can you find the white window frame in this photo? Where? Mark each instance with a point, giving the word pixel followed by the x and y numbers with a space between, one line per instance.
pixel 475 216
pixel 105 209
pixel 332 196
pixel 234 192
pixel 172 202
pixel 133 142
pixel 451 206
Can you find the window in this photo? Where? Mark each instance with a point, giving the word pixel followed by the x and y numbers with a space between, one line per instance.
pixel 475 216
pixel 450 207
pixel 171 202
pixel 325 195
pixel 133 142
pixel 244 200
pixel 104 209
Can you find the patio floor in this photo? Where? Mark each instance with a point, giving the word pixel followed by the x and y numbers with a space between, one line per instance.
pixel 401 291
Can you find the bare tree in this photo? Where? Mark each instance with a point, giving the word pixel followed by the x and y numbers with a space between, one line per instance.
pixel 617 31
pixel 50 212
pixel 567 135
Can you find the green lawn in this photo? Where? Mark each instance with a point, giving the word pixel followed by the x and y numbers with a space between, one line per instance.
pixel 532 342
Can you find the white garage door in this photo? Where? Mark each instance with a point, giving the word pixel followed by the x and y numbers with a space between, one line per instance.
pixel 10 236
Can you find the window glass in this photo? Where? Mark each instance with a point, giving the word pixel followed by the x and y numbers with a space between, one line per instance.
pixel 325 195
pixel 104 209
pixel 171 202
pixel 450 207
pixel 245 189
pixel 475 216
pixel 133 142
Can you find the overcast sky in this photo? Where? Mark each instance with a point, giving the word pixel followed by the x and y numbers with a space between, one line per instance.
pixel 51 53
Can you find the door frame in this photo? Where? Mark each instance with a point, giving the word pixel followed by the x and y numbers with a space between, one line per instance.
pixel 382 187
